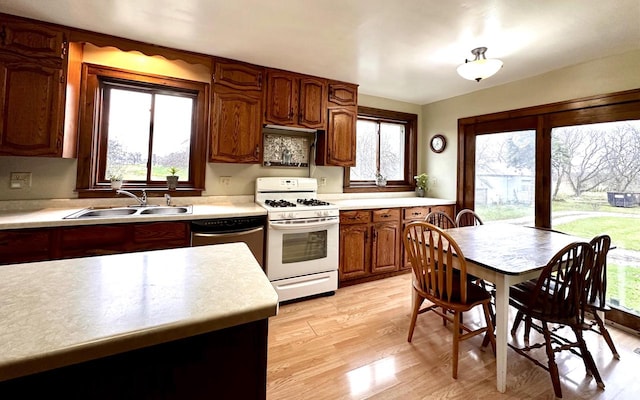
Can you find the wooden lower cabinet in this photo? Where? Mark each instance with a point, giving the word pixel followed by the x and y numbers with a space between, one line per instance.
pixel 369 244
pixel 411 214
pixel 26 245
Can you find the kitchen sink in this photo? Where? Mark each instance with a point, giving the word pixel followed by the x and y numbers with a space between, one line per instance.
pixel 168 210
pixel 129 211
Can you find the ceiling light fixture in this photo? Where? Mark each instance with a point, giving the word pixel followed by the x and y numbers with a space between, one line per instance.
pixel 481 67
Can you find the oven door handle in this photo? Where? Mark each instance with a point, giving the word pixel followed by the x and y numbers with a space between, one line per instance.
pixel 296 225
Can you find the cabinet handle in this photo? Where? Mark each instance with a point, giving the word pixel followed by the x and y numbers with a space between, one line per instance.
pixel 260 80
pixel 415 213
pixel 257 151
pixel 291 113
pixel 385 215
pixel 3 36
pixel 63 52
pixel 213 78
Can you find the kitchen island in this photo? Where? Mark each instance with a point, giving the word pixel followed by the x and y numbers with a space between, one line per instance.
pixel 179 323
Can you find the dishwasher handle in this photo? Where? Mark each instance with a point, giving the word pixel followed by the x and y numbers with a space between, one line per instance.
pixel 228 234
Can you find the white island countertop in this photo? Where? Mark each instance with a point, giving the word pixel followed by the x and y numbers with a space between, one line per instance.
pixel 57 313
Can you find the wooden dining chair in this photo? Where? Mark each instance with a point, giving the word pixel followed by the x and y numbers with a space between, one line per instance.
pixel 440 219
pixel 556 298
pixel 596 295
pixel 433 254
pixel 597 290
pixel 467 217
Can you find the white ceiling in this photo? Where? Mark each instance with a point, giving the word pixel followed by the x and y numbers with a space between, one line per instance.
pixel 405 50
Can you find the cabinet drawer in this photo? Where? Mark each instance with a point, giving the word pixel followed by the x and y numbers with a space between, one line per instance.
pixel 386 214
pixel 355 217
pixel 161 232
pixel 415 213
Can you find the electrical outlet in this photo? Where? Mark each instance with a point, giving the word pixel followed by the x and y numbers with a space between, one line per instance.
pixel 225 180
pixel 20 180
pixel 323 181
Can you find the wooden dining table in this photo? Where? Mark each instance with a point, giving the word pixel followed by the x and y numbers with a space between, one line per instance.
pixel 507 254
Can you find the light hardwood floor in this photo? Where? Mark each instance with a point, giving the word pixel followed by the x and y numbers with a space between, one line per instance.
pixel 353 345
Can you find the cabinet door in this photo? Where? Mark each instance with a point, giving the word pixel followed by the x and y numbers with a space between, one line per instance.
pixel 341 137
pixel 313 104
pixel 238 76
pixel 446 209
pixel 385 248
pixel 343 94
pixel 236 131
pixel 355 248
pixel 18 246
pixel 32 40
pixel 31 108
pixel 282 98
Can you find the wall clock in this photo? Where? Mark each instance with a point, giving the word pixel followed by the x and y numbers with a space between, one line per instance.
pixel 438 143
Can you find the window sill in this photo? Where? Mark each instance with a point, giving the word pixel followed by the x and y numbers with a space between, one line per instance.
pixel 107 192
pixel 372 188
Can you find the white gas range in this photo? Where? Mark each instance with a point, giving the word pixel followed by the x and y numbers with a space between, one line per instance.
pixel 302 237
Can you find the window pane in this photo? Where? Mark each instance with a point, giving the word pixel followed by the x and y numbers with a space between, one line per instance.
pixel 505 176
pixel 392 151
pixel 128 134
pixel 171 136
pixel 596 190
pixel 366 151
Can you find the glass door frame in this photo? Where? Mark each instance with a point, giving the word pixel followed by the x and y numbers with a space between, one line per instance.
pixel 618 106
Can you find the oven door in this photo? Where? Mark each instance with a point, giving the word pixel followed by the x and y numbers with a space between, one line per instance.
pixel 301 247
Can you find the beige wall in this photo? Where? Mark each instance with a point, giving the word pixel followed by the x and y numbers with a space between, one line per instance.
pixel 606 75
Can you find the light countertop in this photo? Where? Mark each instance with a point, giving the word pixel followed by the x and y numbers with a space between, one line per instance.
pixel 389 202
pixel 51 213
pixel 56 313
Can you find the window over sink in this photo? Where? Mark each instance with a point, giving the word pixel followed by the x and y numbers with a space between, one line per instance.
pixel 139 126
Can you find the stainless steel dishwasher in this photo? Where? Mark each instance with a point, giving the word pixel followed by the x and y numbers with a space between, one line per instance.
pixel 249 230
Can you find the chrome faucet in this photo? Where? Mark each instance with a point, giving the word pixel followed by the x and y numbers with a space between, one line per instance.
pixel 141 200
pixel 167 198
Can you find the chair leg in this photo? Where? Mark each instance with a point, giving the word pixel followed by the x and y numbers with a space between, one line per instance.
pixel 527 330
pixel 605 333
pixel 456 343
pixel 553 368
pixel 417 302
pixel 516 322
pixel 589 363
pixel 489 337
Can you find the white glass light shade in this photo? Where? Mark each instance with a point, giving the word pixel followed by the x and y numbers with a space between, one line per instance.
pixel 480 68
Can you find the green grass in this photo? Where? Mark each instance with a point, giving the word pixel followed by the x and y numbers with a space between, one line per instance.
pixel 622 280
pixel 624 232
pixel 622 284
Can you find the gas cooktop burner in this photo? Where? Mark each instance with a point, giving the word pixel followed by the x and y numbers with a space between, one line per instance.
pixel 279 203
pixel 313 202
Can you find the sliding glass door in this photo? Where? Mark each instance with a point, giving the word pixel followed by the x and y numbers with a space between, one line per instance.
pixel 596 189
pixel 573 167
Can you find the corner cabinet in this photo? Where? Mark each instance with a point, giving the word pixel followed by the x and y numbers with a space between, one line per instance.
pixel 337 146
pixel 236 113
pixel 295 100
pixel 33 70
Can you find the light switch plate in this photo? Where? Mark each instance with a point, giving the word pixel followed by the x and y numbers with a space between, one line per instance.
pixel 20 180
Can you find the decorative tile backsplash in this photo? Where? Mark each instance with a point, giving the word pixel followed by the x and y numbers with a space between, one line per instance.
pixel 286 150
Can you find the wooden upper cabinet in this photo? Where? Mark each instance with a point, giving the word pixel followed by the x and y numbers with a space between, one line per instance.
pixel 238 76
pixel 281 100
pixel 338 146
pixel 295 100
pixel 33 71
pixel 236 132
pixel 343 94
pixel 312 105
pixel 31 108
pixel 32 40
